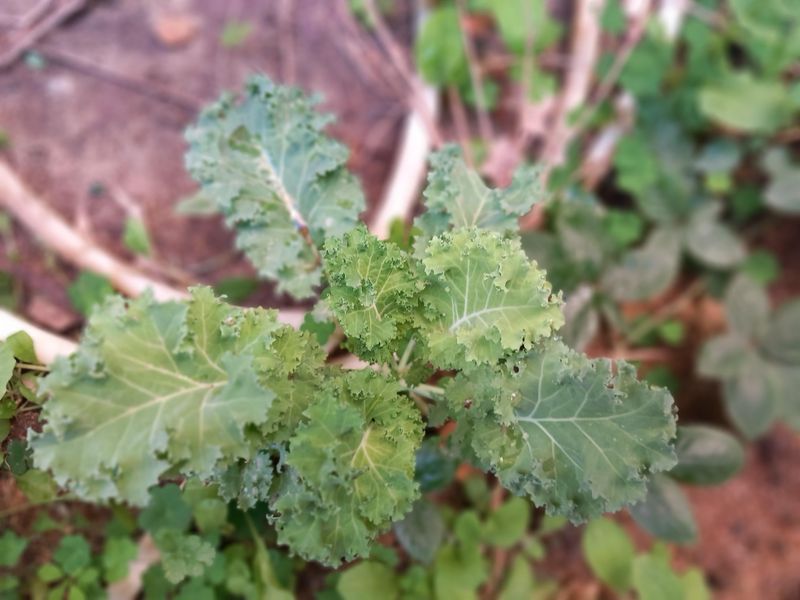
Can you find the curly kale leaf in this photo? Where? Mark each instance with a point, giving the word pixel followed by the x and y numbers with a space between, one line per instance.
pixel 484 298
pixel 155 386
pixel 565 430
pixel 277 179
pixel 373 292
pixel 351 468
pixel 456 196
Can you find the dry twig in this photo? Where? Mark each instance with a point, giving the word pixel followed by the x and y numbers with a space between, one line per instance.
pixel 401 64
pixel 143 88
pixel 38 31
pixel 48 346
pixel 584 54
pixel 54 232
pixel 28 18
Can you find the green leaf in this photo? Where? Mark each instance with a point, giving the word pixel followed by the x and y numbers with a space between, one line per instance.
pixel 723 356
pixel 21 345
pixel 609 552
pixel 746 202
pixel 166 510
pixel 236 289
pixel 38 486
pixel 782 193
pixel 18 456
pixel 72 554
pixel 746 307
pixel 719 156
pixel 712 242
pixel 666 512
pixel 235 33
pixel 646 271
pixel 672 332
pixel 7 364
pixel 782 339
pixel 484 298
pixel 367 581
pixel 519 583
pixel 118 553
pixel 11 548
pixel 8 407
pixel 647 66
pixel 753 396
pixel 761 266
pixel 169 384
pixel 744 103
pixel 8 583
pixel 421 531
pixel 352 465
pixel 277 179
pixel 624 227
pixel 247 483
pixel 321 325
pixel 456 196
pixel 694 585
pixel 505 526
pixel 613 18
pixel 210 514
pixel 135 237
pixel 48 573
pixel 706 455
pixel 87 291
pixel 637 168
pixel 438 49
pixel 183 555
pixel 373 292
pixel 653 579
pixel 515 26
pixel 565 430
pixel 458 571
pixel 435 466
pixel 770 33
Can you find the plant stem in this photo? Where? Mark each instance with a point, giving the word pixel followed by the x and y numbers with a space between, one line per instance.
pixel 428 391
pixel 402 366
pixel 421 405
pixel 30 367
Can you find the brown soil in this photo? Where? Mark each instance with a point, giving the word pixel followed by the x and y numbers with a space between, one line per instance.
pixel 109 108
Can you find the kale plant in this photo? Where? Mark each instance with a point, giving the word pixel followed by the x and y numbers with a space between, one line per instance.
pixel 461 326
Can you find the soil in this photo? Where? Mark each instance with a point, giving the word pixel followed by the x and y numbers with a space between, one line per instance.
pixel 103 119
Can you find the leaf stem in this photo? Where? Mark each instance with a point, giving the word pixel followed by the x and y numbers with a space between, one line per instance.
pixel 428 391
pixel 31 367
pixel 402 366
